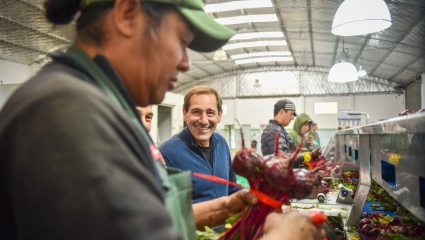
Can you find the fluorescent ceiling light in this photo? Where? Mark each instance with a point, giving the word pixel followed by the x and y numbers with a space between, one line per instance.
pixel 265 59
pixel 237 5
pixel 254 44
pixel 255 35
pixel 247 19
pixel 261 54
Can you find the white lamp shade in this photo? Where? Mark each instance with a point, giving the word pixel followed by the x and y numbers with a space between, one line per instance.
pixel 343 72
pixel 359 17
pixel 361 72
pixel 220 55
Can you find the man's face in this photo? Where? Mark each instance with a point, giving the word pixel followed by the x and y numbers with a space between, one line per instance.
pixel 287 117
pixel 156 56
pixel 146 116
pixel 202 117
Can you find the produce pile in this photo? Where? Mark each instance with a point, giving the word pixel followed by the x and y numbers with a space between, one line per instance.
pixel 334 228
pixel 350 179
pixel 273 179
pixel 378 225
pixel 384 227
pixel 314 159
pixel 385 200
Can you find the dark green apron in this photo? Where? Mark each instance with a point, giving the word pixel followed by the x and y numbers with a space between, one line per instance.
pixel 176 184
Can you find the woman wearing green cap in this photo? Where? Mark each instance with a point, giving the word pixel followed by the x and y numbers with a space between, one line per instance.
pixel 76 161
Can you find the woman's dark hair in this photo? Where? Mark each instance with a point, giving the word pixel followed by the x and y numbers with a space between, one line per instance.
pixel 61 12
pixel 89 24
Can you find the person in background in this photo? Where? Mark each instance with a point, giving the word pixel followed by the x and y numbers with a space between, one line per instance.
pixel 301 126
pixel 253 145
pixel 146 116
pixel 200 149
pixel 309 144
pixel 313 132
pixel 76 162
pixel 284 113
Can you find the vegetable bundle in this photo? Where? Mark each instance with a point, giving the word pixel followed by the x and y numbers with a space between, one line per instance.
pixel 378 226
pixel 271 175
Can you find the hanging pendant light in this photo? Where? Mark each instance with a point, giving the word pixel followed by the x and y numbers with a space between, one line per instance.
pixel 361 72
pixel 343 71
pixel 359 17
pixel 220 55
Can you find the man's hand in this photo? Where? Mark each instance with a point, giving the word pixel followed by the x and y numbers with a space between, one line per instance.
pixel 215 212
pixel 237 200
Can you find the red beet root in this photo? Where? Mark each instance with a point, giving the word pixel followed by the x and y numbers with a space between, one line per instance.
pixel 279 174
pixel 304 183
pixel 246 163
pixel 273 176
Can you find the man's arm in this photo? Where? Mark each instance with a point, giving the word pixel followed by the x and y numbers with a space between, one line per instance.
pixel 268 141
pixel 215 212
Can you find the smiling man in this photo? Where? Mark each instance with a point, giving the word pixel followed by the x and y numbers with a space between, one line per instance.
pixel 198 148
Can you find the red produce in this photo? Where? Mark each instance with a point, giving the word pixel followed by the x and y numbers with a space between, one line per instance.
pixel 246 163
pixel 304 183
pixel 274 177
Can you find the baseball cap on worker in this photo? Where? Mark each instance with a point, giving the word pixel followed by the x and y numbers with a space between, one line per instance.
pixel 209 35
pixel 285 104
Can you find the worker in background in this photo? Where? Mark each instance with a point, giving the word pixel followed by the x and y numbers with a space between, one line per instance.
pixel 301 126
pixel 76 162
pixel 146 116
pixel 253 145
pixel 309 144
pixel 284 113
pixel 313 132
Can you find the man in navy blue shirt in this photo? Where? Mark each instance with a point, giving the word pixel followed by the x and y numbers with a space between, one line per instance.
pixel 198 148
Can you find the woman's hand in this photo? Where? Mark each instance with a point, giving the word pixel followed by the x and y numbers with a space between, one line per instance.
pixel 291 226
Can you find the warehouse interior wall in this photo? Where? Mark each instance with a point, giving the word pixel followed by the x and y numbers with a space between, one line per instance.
pixel 257 112
pixel 413 95
pixel 170 112
pixel 5 91
pixel 14 73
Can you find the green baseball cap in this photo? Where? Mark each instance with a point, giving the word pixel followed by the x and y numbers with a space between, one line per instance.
pixel 209 35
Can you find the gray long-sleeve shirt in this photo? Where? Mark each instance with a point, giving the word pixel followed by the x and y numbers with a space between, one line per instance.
pixel 74 166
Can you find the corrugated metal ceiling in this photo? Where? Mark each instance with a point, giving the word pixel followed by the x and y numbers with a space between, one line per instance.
pixel 396 54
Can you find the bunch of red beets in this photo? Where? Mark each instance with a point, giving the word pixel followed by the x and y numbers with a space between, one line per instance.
pixel 272 175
